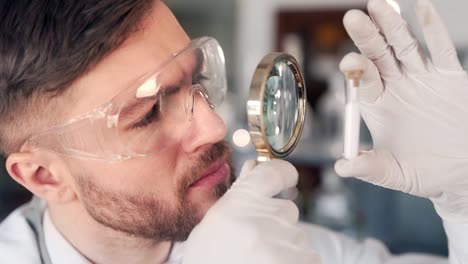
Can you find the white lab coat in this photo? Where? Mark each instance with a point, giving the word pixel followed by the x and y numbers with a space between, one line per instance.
pixel 20 243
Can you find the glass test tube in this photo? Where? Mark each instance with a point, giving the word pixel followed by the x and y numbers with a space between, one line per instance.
pixel 352 114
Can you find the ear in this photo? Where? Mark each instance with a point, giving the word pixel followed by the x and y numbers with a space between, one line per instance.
pixel 44 174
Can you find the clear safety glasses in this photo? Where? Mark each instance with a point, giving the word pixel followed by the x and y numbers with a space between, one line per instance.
pixel 148 117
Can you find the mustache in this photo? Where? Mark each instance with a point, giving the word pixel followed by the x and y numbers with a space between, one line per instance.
pixel 220 150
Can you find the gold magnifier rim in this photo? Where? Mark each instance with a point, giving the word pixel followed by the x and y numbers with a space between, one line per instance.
pixel 255 105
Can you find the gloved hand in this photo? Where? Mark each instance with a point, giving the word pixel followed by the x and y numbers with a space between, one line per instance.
pixel 247 225
pixel 416 108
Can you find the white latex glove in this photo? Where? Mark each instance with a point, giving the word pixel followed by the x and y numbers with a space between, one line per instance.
pixel 416 108
pixel 247 225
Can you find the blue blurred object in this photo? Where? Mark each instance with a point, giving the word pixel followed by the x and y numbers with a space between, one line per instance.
pixel 405 223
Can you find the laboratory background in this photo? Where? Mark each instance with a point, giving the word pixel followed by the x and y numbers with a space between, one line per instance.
pixel 312 31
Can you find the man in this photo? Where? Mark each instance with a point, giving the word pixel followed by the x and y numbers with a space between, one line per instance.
pixel 107 118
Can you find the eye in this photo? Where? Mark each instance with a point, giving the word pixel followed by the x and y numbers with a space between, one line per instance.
pixel 152 116
pixel 199 77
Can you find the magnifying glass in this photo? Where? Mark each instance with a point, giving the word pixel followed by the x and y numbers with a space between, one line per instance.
pixel 276 106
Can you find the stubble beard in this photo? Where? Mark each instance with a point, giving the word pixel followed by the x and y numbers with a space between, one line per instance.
pixel 149 217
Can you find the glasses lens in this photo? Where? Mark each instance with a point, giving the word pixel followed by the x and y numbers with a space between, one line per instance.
pixel 280 106
pixel 210 71
pixel 156 114
pixel 148 117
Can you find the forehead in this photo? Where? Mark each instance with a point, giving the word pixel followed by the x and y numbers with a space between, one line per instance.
pixel 159 38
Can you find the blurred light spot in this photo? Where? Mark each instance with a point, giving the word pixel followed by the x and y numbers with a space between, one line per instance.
pixel 241 138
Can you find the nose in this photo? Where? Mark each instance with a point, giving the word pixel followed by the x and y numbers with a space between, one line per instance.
pixel 206 127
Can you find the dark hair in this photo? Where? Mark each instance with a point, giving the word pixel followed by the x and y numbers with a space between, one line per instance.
pixel 45 45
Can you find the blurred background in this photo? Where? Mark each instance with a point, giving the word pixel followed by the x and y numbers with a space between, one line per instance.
pixel 312 31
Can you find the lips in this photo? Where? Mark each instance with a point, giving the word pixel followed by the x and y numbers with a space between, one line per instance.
pixel 213 175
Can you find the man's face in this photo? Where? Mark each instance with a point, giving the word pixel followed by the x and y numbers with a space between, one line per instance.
pixel 163 196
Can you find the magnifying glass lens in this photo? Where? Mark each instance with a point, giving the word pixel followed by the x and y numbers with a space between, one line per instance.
pixel 280 105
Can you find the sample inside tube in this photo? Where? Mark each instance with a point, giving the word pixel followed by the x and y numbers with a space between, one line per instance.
pixel 352 114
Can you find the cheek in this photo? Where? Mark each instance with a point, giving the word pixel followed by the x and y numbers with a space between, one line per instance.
pixel 154 176
pixel 151 176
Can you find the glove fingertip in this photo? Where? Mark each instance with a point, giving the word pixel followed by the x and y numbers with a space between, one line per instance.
pixel 284 167
pixel 294 175
pixel 352 18
pixel 359 26
pixel 424 12
pixel 343 168
pixel 357 166
pixel 353 62
pixel 289 174
pixel 423 5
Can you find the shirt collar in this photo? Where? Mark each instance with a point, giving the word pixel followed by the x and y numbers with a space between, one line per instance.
pixel 60 250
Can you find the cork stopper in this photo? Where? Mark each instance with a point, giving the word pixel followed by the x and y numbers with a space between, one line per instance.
pixel 354 77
